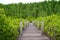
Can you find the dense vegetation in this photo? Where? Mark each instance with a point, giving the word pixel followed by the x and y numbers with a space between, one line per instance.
pixel 51 26
pixel 32 9
pixel 12 14
pixel 9 27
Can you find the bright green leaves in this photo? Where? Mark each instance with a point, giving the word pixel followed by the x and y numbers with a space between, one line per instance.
pixel 51 25
pixel 8 28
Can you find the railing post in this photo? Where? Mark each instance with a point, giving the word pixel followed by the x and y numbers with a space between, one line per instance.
pixel 38 24
pixel 42 27
pixel 21 27
pixel 27 23
pixel 24 24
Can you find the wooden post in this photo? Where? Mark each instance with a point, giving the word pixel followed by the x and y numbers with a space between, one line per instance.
pixel 25 24
pixel 42 27
pixel 38 24
pixel 21 27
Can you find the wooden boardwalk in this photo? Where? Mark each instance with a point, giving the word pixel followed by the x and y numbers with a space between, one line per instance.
pixel 32 33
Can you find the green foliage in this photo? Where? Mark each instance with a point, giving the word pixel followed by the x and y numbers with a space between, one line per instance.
pixel 8 29
pixel 34 10
pixel 51 25
pixel 1 11
pixel 12 14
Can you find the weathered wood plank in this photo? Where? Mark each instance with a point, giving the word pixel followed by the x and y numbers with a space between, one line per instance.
pixel 32 33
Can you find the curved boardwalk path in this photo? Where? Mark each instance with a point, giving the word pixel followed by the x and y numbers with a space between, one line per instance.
pixel 32 33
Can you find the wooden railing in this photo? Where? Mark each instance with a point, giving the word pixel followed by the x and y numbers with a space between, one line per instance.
pixel 54 30
pixel 26 23
pixel 40 23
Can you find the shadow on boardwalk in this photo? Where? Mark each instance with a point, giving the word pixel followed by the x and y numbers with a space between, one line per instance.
pixel 32 33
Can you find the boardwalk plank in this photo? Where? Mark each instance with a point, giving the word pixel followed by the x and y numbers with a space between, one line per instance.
pixel 32 33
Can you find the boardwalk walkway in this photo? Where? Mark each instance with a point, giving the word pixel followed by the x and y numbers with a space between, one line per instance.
pixel 32 33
